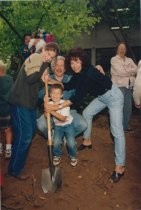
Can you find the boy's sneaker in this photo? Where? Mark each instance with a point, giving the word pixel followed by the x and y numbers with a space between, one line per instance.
pixel 8 153
pixel 73 162
pixel 56 160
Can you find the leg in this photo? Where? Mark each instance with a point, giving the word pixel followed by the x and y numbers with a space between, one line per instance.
pixel 22 133
pixel 89 112
pixel 42 125
pixel 8 135
pixel 8 139
pixel 127 108
pixel 79 123
pixel 115 106
pixel 70 138
pixel 33 117
pixel 57 141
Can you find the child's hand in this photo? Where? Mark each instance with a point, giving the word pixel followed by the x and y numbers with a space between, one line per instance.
pixel 49 107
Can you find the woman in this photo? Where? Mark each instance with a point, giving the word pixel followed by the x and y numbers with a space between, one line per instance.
pixel 137 88
pixel 86 79
pixel 123 71
pixel 23 101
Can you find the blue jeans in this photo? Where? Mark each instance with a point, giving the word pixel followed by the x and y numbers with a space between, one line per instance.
pixel 59 133
pixel 127 107
pixel 79 123
pixel 24 128
pixel 113 99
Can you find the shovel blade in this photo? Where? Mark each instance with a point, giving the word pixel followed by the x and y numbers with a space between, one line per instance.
pixel 51 183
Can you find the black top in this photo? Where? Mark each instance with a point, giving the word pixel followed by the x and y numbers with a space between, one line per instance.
pixel 6 83
pixel 89 80
pixel 25 89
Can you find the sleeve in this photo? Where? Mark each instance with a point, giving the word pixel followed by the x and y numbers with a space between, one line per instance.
pixel 137 88
pixel 119 69
pixel 34 77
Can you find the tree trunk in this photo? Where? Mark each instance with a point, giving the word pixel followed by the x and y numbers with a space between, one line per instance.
pixel 11 26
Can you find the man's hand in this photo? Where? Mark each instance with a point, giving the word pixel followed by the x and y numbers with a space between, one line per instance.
pixel 99 68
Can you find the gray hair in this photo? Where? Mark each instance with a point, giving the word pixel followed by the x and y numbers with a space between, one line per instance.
pixel 2 66
pixel 53 62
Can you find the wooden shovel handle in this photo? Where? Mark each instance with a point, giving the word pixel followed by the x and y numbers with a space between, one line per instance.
pixel 48 117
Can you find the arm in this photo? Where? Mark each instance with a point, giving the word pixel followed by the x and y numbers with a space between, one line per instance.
pixel 58 116
pixel 100 69
pixel 118 68
pixel 50 107
pixel 36 76
pixel 137 89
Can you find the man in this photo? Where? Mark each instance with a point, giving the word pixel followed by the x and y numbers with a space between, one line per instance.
pixel 58 68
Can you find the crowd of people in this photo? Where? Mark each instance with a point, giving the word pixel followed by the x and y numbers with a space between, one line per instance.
pixel 70 79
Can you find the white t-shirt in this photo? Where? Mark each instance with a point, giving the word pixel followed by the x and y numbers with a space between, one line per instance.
pixel 65 112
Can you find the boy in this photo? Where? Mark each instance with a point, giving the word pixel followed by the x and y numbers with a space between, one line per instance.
pixel 63 127
pixel 6 82
pixel 23 99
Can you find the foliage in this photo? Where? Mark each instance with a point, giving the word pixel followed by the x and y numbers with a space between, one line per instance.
pixel 65 19
pixel 106 9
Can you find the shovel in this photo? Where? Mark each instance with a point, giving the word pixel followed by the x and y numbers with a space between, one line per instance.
pixel 51 177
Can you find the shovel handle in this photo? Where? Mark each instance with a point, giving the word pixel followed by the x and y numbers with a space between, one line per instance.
pixel 48 117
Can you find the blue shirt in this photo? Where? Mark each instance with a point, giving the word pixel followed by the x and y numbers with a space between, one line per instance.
pixel 66 93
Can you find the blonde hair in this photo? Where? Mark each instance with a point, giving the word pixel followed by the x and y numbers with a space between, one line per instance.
pixel 2 66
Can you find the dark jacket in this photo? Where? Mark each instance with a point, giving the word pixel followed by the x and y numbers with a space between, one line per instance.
pixel 25 89
pixel 89 80
pixel 6 83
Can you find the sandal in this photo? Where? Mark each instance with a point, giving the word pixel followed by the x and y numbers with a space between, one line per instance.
pixel 82 147
pixel 115 177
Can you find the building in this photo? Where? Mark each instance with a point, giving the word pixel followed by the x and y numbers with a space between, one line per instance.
pixel 101 44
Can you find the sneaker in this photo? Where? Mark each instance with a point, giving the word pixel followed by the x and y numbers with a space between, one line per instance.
pixel 56 160
pixel 8 153
pixel 73 162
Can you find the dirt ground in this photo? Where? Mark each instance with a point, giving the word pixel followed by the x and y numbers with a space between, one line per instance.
pixel 85 187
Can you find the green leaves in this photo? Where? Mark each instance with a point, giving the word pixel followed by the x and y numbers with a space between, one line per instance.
pixel 66 19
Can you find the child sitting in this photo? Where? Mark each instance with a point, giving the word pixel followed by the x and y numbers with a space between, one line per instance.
pixel 63 127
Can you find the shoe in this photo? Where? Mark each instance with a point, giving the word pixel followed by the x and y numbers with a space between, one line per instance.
pixel 129 130
pixel 8 153
pixel 82 147
pixel 56 160
pixel 21 177
pixel 73 162
pixel 115 177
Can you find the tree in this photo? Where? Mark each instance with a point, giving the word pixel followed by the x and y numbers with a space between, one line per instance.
pixel 65 19
pixel 118 13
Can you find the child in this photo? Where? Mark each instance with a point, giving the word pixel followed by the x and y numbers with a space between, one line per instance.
pixel 63 127
pixel 23 99
pixel 6 82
